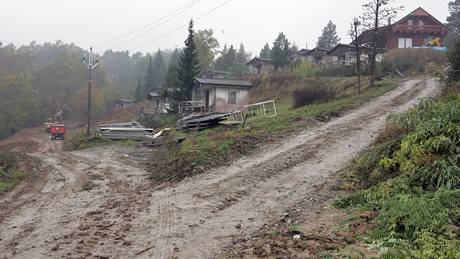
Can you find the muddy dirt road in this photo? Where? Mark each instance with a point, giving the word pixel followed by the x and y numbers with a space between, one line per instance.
pixel 91 204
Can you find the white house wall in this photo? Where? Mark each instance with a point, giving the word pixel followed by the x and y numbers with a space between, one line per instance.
pixel 222 99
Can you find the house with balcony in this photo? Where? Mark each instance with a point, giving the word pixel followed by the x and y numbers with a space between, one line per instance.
pixel 417 29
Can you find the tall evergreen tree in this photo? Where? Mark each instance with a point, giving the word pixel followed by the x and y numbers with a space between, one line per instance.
pixel 242 56
pixel 159 69
pixel 280 52
pixel 171 80
pixel 453 21
pixel 229 58
pixel 138 94
pixel 149 82
pixel 187 70
pixel 266 52
pixel 329 38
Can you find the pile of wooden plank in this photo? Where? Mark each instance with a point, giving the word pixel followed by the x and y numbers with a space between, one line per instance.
pixel 123 131
pixel 201 121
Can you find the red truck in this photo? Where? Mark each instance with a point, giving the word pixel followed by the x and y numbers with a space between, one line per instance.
pixel 57 132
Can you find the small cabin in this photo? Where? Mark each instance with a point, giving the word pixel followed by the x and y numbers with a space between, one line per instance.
pixel 159 101
pixel 261 65
pixel 123 103
pixel 221 95
pixel 317 56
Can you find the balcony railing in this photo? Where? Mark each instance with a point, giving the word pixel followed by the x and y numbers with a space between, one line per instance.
pixel 419 28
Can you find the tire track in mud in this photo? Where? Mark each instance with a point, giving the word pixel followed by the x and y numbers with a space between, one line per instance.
pixel 238 200
pixel 92 205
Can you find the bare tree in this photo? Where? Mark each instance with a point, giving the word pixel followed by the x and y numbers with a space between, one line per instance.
pixel 376 12
pixel 355 31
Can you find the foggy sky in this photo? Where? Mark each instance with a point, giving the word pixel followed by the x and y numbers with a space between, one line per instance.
pixel 253 22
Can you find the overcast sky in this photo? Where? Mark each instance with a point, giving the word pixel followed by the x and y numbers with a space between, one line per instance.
pixel 253 22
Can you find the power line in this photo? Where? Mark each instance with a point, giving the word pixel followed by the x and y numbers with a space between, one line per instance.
pixel 90 66
pixel 182 26
pixel 174 13
pixel 155 27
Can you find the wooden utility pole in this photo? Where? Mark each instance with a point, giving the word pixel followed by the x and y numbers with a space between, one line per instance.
pixel 356 23
pixel 90 66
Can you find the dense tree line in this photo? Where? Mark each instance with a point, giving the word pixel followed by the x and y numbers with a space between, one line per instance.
pixel 36 81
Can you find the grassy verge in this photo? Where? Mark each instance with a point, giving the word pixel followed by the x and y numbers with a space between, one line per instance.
pixel 79 141
pixel 411 178
pixel 206 149
pixel 10 174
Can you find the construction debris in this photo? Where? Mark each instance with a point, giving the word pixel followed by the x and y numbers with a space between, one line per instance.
pixel 157 139
pixel 132 130
pixel 201 121
pixel 208 120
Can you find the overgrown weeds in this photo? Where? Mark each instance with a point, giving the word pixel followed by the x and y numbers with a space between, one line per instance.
pixel 414 61
pixel 412 177
pixel 10 173
pixel 78 141
pixel 317 92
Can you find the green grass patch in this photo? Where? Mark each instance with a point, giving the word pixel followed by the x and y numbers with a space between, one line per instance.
pixel 79 141
pixel 10 174
pixel 209 148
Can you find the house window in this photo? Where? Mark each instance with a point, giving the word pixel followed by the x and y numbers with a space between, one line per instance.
pixel 410 22
pixel 232 97
pixel 420 23
pixel 404 43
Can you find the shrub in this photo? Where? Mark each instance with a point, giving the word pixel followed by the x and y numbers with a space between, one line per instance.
pixel 419 206
pixel 10 173
pixel 77 141
pixel 306 69
pixel 316 92
pixel 343 71
pixel 158 121
pixel 412 60
pixel 454 60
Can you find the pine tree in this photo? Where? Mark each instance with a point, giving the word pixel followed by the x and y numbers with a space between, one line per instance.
pixel 159 70
pixel 453 21
pixel 138 94
pixel 171 76
pixel 220 60
pixel 280 52
pixel 149 82
pixel 229 58
pixel 329 38
pixel 242 56
pixel 187 70
pixel 266 52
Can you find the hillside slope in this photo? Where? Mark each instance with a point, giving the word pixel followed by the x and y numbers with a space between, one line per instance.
pixel 92 203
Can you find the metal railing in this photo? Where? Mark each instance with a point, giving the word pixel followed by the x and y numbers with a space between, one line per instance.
pixel 192 106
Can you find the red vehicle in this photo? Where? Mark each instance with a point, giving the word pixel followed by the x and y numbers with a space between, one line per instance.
pixel 57 132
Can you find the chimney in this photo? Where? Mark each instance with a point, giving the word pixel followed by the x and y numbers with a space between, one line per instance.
pixel 389 20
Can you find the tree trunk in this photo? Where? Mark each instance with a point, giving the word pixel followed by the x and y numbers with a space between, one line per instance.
pixel 374 47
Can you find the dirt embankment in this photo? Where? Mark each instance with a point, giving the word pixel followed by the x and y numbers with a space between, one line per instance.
pixel 92 204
